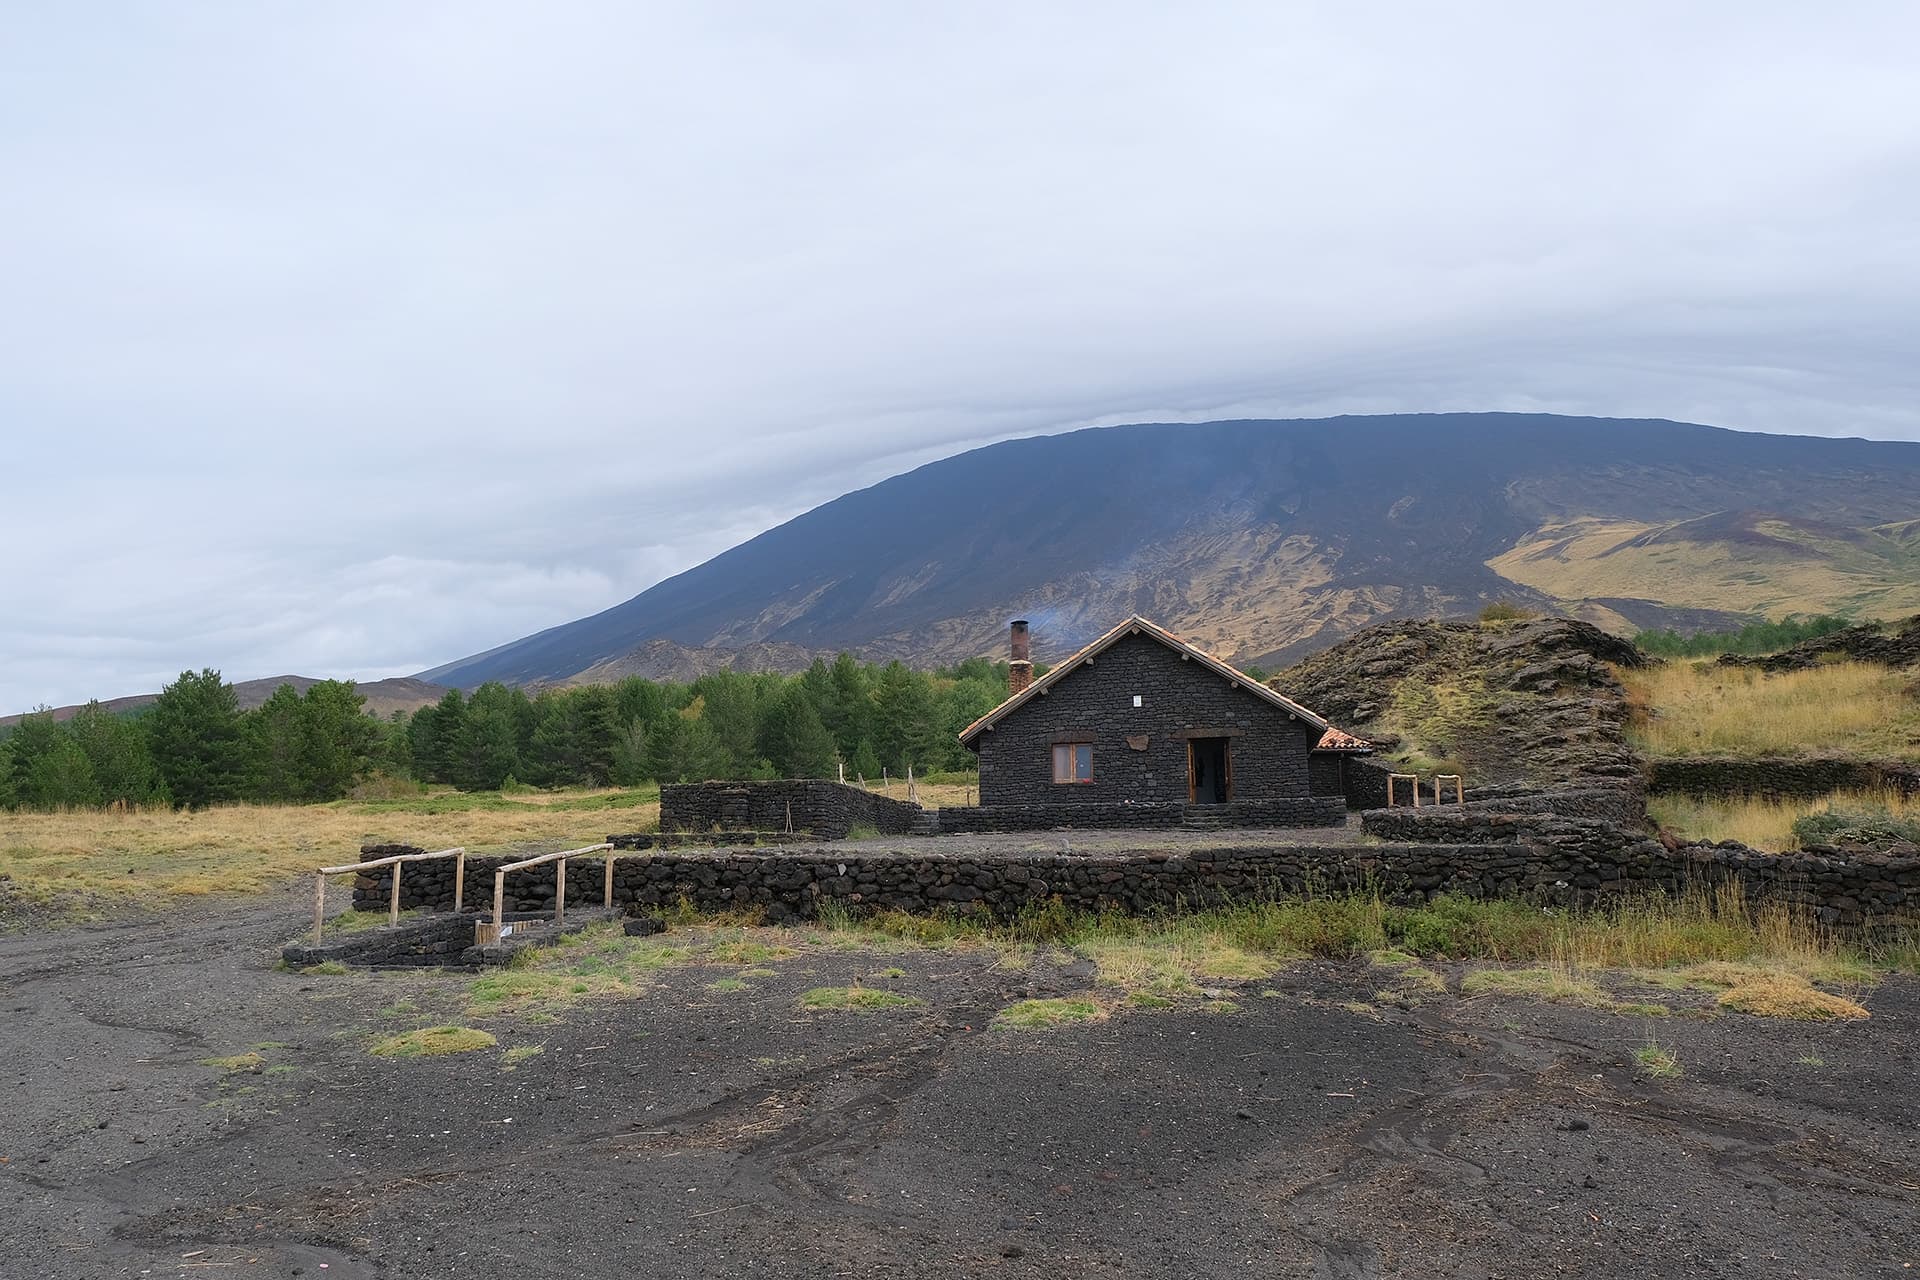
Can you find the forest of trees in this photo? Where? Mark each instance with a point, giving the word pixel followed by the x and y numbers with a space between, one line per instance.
pixel 1754 638
pixel 194 746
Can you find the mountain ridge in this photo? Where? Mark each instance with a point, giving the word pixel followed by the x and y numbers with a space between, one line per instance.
pixel 1264 539
pixel 383 697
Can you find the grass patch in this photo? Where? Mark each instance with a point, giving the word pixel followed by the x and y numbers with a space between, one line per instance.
pixel 741 951
pixel 432 1042
pixel 1148 1000
pixel 727 984
pixel 1549 982
pixel 248 1061
pixel 512 1058
pixel 1652 1060
pixel 1033 1015
pixel 326 969
pixel 855 999
pixel 1848 708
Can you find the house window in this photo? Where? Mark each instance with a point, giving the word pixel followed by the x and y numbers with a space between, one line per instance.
pixel 1073 762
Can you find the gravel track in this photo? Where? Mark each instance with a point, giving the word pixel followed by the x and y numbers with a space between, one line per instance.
pixel 690 1132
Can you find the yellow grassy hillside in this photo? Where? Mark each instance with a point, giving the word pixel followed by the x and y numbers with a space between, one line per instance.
pixel 1686 708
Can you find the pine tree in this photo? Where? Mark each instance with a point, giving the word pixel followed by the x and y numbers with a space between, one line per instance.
pixel 274 732
pixel 630 754
pixel 60 778
pixel 848 713
pixel 338 740
pixel 903 718
pixel 796 742
pixel 437 752
pixel 195 733
pixel 116 748
pixel 488 749
pixel 697 755
pixel 596 714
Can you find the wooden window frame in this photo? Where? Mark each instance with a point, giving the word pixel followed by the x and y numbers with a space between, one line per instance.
pixel 1072 752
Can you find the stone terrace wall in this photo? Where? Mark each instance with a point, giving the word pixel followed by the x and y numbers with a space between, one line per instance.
pixel 1781 778
pixel 422 943
pixel 429 885
pixel 828 809
pixel 1875 892
pixel 1289 811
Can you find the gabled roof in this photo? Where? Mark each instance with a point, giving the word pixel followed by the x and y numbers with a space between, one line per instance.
pixel 1138 625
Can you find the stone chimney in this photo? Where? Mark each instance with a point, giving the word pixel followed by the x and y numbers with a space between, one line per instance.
pixel 1020 664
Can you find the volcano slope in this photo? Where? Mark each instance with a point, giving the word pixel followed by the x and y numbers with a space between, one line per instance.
pixel 179 1107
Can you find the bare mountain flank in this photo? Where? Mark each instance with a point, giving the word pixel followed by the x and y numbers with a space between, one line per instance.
pixel 1263 541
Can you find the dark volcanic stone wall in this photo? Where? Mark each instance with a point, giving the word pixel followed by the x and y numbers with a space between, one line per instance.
pixel 422 943
pixel 1786 778
pixel 1094 703
pixel 1541 857
pixel 1869 891
pixel 828 809
pixel 1286 811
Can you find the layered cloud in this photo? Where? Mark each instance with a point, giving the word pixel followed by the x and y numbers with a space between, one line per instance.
pixel 354 338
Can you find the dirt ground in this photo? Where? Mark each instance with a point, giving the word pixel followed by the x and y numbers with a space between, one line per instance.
pixel 695 1131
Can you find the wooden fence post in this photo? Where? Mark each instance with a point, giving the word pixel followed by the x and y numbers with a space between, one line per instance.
pixel 393 895
pixel 560 893
pixel 608 900
pixel 319 907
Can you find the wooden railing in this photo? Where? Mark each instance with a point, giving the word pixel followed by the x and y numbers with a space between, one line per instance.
pixel 1459 787
pixel 489 934
pixel 393 896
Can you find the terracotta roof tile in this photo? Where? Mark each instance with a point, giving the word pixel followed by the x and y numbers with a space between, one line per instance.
pixel 1340 740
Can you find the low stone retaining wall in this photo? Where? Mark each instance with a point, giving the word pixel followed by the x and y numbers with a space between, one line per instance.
pixel 1289 811
pixel 431 942
pixel 1783 778
pixel 1624 805
pixel 429 885
pixel 827 809
pixel 794 886
pixel 707 839
pixel 438 940
pixel 1865 892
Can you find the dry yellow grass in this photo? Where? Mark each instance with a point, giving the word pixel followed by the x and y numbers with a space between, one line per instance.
pixel 245 848
pixel 1786 996
pixel 1762 823
pixel 1687 708
pixel 931 795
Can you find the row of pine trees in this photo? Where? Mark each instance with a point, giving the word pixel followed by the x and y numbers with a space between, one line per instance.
pixel 194 746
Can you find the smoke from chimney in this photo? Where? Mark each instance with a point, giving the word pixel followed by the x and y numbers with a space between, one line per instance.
pixel 1020 664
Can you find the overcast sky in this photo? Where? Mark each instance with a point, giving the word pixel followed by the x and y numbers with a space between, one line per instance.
pixel 351 338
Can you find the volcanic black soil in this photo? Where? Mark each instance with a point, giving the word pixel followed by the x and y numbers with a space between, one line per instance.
pixel 700 1132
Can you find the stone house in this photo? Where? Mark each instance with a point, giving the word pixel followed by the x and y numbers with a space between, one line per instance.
pixel 1141 717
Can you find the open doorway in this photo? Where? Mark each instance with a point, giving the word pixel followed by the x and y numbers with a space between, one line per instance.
pixel 1209 771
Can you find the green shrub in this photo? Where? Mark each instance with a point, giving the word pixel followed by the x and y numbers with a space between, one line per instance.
pixel 1868 825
